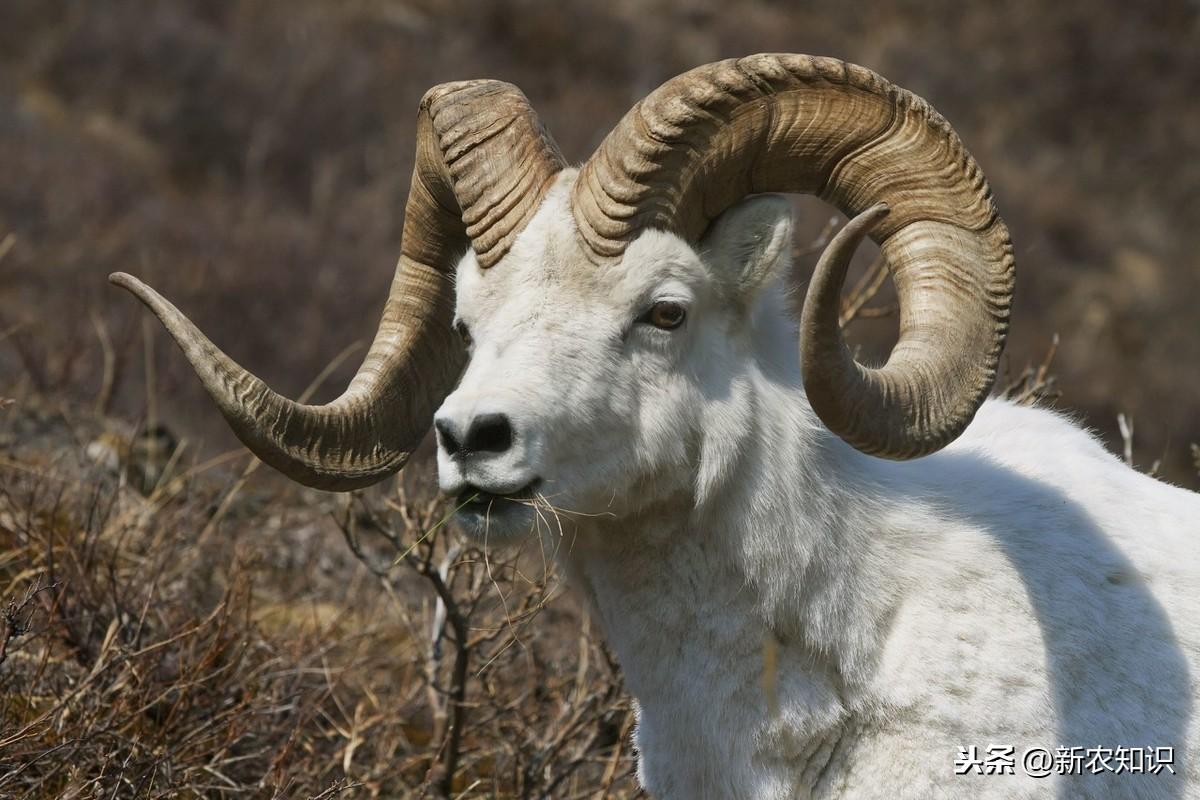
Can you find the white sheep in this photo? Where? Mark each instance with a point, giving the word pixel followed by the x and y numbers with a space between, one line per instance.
pixel 821 579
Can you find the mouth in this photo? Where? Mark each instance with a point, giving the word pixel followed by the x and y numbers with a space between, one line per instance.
pixel 475 500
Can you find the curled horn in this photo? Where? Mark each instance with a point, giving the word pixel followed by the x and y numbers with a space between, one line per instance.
pixel 483 163
pixel 793 123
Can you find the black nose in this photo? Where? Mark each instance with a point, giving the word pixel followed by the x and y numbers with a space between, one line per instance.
pixel 487 433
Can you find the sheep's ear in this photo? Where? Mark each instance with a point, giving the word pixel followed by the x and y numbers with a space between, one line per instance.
pixel 751 241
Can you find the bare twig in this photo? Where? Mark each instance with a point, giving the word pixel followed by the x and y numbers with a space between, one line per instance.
pixel 108 376
pixel 863 292
pixel 14 626
pixel 1034 384
pixel 1125 424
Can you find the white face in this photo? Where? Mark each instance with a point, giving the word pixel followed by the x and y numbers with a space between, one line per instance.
pixel 589 387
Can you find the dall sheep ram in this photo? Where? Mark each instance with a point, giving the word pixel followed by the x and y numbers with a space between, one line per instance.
pixel 942 583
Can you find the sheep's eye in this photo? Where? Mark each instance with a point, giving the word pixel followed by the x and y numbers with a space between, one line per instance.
pixel 463 332
pixel 665 314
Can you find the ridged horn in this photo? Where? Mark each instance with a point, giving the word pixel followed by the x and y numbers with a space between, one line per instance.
pixel 483 164
pixel 794 123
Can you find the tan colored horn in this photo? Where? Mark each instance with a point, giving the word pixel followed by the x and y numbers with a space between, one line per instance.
pixel 793 123
pixel 483 163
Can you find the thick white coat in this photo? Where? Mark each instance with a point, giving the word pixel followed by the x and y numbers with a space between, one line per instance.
pixel 797 619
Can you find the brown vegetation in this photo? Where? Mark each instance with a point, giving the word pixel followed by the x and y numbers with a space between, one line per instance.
pixel 202 639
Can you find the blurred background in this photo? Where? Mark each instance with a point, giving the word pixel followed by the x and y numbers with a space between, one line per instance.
pixel 251 160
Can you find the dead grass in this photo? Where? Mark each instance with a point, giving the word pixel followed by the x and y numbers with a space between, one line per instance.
pixel 143 657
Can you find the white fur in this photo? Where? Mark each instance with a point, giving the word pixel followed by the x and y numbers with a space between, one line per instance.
pixel 1022 587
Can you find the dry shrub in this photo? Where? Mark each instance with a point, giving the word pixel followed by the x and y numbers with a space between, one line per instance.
pixel 201 640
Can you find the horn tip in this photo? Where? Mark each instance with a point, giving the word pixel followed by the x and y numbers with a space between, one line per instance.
pixel 878 211
pixel 152 299
pixel 125 281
